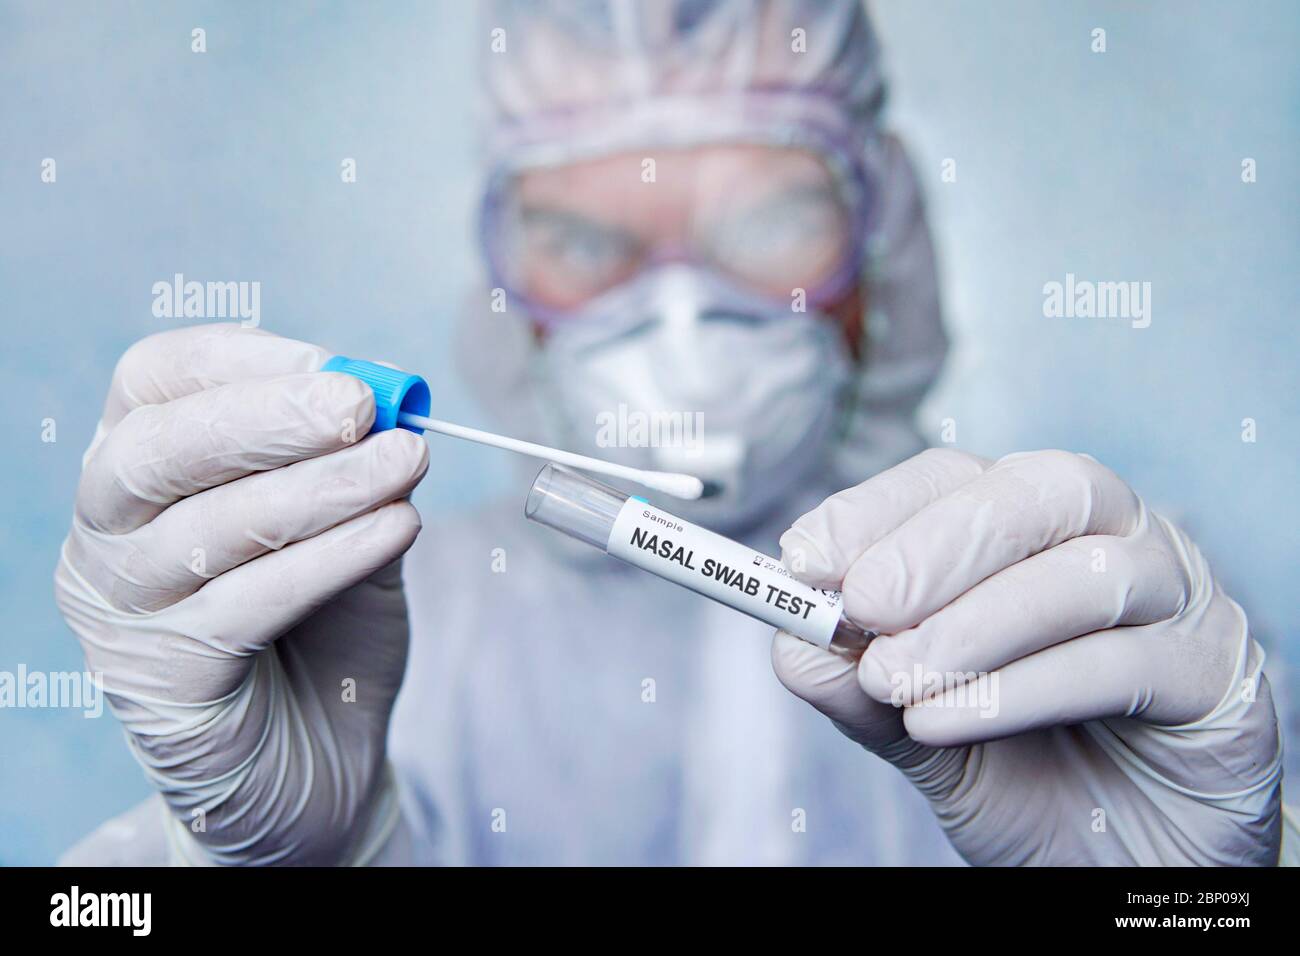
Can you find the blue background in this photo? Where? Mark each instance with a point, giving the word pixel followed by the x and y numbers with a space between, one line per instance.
pixel 1117 166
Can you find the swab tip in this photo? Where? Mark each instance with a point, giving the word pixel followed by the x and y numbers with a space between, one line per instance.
pixel 687 487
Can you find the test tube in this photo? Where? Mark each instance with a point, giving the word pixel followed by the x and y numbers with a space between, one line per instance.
pixel 642 534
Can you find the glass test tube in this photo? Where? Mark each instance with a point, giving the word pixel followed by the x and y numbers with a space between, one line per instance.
pixel 632 529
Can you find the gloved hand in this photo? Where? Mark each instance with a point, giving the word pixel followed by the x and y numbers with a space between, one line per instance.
pixel 232 571
pixel 1058 672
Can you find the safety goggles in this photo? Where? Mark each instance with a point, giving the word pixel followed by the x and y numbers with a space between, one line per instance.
pixel 784 220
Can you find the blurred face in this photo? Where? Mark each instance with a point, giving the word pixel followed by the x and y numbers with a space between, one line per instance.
pixel 771 219
pixel 717 283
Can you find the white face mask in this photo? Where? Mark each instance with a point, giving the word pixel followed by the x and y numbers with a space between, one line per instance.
pixel 679 371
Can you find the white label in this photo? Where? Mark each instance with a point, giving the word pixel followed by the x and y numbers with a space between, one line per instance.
pixel 724 570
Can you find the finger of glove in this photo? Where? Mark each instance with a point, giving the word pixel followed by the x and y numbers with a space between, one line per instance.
pixel 169 365
pixel 160 454
pixel 821 546
pixel 246 609
pixel 210 533
pixel 1153 673
pixel 828 682
pixel 1086 584
pixel 1022 505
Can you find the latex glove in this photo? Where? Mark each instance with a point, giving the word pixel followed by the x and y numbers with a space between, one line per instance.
pixel 1115 711
pixel 232 573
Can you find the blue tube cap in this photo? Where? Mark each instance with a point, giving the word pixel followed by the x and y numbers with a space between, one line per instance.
pixel 395 391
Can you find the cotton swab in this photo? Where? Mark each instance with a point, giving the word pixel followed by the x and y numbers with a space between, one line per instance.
pixel 671 483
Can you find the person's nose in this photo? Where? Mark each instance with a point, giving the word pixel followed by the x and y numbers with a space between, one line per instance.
pixel 680 310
